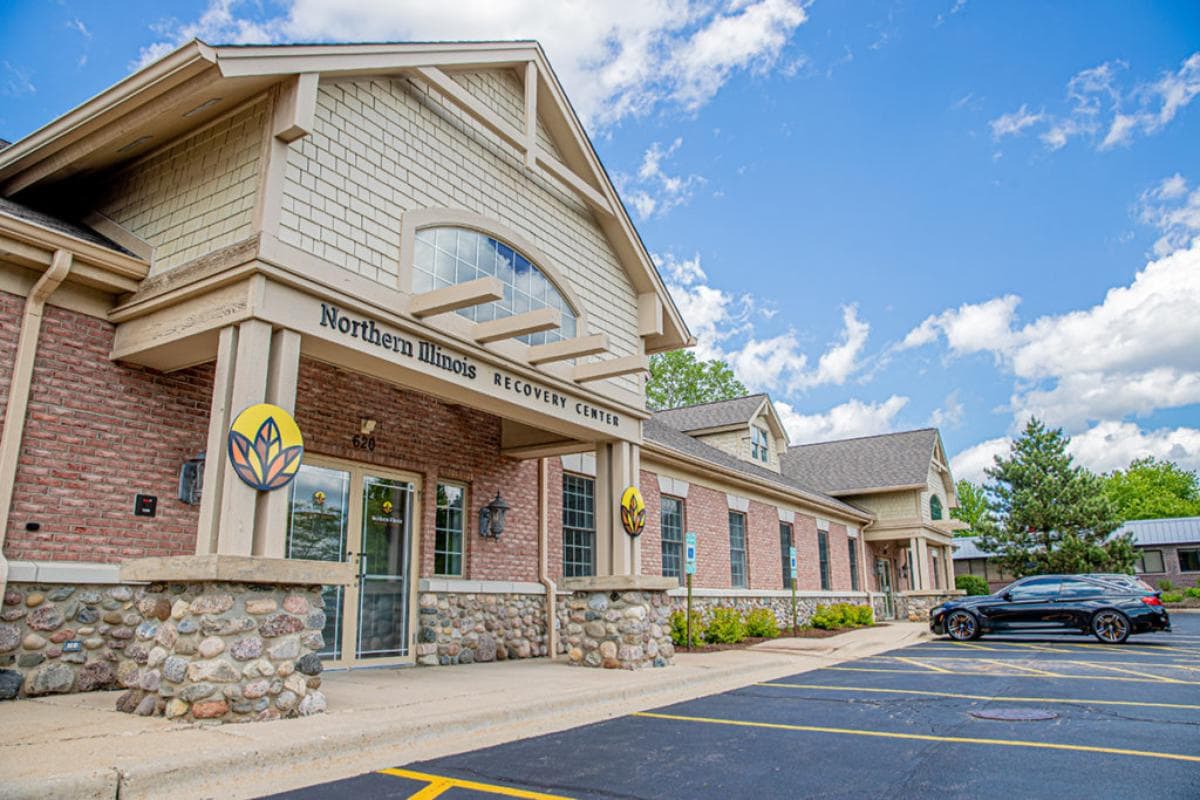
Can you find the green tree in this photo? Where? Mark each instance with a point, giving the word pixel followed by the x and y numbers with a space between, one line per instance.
pixel 973 509
pixel 1054 515
pixel 1152 488
pixel 679 378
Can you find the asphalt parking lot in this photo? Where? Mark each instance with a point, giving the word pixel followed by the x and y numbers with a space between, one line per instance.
pixel 1116 722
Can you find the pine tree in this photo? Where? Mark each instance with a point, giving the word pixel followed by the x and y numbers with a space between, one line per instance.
pixel 1054 514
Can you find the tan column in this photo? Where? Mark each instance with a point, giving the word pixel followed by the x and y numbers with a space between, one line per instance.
pixel 215 454
pixel 603 508
pixel 626 551
pixel 926 581
pixel 949 556
pixel 283 372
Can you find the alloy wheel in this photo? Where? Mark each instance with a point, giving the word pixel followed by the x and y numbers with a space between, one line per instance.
pixel 1110 627
pixel 961 626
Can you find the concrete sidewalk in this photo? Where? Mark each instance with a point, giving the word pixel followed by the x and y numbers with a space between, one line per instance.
pixel 78 746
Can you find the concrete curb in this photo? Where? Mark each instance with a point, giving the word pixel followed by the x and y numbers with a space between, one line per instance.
pixel 252 767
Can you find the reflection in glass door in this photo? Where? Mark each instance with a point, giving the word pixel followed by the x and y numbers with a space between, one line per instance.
pixel 383 568
pixel 317 525
pixel 884 568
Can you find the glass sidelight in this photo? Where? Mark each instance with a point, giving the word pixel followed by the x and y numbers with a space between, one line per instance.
pixel 347 514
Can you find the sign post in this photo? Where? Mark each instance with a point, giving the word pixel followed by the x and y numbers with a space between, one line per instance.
pixel 690 569
pixel 792 564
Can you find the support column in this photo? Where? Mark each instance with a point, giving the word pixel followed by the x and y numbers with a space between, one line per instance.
pixel 626 549
pixel 282 375
pixel 949 556
pixel 603 507
pixel 926 580
pixel 216 460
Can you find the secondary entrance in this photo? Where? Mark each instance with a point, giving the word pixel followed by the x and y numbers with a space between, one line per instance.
pixel 883 568
pixel 366 516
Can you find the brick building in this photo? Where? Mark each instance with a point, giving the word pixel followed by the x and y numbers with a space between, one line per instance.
pixel 414 252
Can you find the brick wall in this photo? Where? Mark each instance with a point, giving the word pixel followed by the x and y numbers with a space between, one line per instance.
pixel 652 535
pixel 11 309
pixel 97 433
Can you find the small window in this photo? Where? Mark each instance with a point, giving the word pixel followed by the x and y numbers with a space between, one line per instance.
pixel 935 507
pixel 672 538
pixel 760 449
pixel 1073 588
pixel 1150 561
pixel 1036 589
pixel 579 526
pixel 823 558
pixel 785 552
pixel 853 563
pixel 449 527
pixel 737 549
pixel 1189 560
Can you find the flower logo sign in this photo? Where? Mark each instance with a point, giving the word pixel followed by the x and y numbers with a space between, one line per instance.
pixel 633 511
pixel 265 447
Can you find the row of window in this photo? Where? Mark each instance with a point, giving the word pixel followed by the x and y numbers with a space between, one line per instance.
pixel 1152 561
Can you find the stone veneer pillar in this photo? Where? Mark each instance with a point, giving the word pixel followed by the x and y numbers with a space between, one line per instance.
pixel 617 621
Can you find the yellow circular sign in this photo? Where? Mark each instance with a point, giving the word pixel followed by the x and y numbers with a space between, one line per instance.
pixel 265 447
pixel 633 511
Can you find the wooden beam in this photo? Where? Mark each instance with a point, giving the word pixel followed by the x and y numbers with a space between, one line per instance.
pixel 452 298
pixel 455 93
pixel 586 192
pixel 543 319
pixel 531 89
pixel 650 314
pixel 297 107
pixel 568 348
pixel 611 368
pixel 561 447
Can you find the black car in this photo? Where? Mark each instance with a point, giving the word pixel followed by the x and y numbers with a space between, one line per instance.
pixel 1054 604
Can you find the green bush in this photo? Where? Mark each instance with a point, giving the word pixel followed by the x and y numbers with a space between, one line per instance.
pixel 1165 585
pixel 971 584
pixel 865 616
pixel 1172 597
pixel 842 615
pixel 761 623
pixel 679 629
pixel 725 626
pixel 1193 592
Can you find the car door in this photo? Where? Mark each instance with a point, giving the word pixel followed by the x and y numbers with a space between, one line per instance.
pixel 1077 599
pixel 1029 604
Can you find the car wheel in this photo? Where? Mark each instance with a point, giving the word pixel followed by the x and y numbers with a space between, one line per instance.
pixel 1110 627
pixel 961 626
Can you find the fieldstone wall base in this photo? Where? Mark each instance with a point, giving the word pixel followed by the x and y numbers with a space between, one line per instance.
pixel 616 630
pixel 781 606
pixel 465 628
pixel 915 608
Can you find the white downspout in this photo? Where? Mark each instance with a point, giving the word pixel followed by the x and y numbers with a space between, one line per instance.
pixel 18 390
pixel 543 552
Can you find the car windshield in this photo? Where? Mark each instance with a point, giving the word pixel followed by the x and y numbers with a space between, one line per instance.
pixel 1122 581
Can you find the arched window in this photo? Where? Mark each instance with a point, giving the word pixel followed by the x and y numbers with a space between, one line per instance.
pixel 446 256
pixel 935 507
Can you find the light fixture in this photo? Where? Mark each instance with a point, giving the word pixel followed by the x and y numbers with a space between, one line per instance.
pixel 209 103
pixel 491 517
pixel 191 480
pixel 366 426
pixel 134 143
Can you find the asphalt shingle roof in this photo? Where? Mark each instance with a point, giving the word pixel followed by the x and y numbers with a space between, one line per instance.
pixel 869 462
pixel 657 431
pixel 717 414
pixel 24 212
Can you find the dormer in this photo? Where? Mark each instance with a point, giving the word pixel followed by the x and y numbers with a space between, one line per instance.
pixel 747 428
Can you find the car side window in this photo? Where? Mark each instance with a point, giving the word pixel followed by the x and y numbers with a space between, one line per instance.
pixel 1073 589
pixel 1036 589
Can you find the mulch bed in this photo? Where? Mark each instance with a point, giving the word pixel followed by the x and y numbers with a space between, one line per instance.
pixel 802 633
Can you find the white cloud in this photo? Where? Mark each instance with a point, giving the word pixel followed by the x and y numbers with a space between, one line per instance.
pixel 1172 209
pixel 653 191
pixel 970 328
pixel 78 26
pixel 16 81
pixel 616 59
pixel 950 415
pixel 970 463
pixel 1097 105
pixel 845 421
pixel 1112 445
pixel 842 360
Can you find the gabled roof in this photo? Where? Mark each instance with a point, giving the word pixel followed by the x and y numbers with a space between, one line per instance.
pixel 23 212
pixel 864 465
pixel 198 82
pixel 655 432
pixel 717 414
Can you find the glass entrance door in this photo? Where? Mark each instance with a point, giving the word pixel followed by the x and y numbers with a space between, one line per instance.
pixel 884 568
pixel 347 513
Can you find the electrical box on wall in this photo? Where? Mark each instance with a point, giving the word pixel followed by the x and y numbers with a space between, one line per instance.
pixel 145 505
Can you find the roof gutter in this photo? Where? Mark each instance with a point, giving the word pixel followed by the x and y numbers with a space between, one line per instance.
pixel 674 457
pixel 47 238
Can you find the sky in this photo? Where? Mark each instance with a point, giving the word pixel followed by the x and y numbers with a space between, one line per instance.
pixel 887 215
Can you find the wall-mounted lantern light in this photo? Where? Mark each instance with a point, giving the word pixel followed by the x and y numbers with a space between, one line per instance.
pixel 191 480
pixel 491 517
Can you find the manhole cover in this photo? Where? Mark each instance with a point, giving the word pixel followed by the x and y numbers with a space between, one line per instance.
pixel 1015 714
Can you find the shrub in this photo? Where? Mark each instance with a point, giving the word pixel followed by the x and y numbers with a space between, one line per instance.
pixel 842 615
pixel 1172 597
pixel 725 626
pixel 865 616
pixel 761 622
pixel 1165 585
pixel 1193 592
pixel 679 629
pixel 971 584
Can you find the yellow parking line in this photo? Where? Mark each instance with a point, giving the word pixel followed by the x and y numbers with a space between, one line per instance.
pixel 916 663
pixel 978 674
pixel 1127 671
pixel 443 782
pixel 1044 648
pixel 1021 666
pixel 984 697
pixel 922 737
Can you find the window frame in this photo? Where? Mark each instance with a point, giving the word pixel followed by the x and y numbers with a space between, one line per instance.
pixel 1139 566
pixel 785 546
pixel 741 562
pixel 1194 553
pixel 936 510
pixel 571 567
pixel 760 444
pixel 438 529
pixel 823 560
pixel 854 582
pixel 680 544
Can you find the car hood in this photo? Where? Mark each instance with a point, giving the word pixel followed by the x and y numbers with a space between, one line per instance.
pixel 971 601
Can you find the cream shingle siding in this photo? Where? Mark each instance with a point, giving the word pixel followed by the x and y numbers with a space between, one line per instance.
pixel 383 147
pixel 194 197
pixel 503 92
pixel 888 505
pixel 934 485
pixel 735 443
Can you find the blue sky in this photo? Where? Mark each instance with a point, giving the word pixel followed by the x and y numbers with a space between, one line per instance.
pixel 887 215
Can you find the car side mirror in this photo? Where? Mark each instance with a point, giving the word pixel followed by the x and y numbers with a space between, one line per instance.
pixel 1007 595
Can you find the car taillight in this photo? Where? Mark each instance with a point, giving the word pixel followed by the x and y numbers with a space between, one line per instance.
pixel 1152 600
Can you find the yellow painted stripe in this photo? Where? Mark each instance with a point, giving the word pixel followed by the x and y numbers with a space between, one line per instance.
pixel 1141 673
pixel 979 674
pixel 984 697
pixel 916 663
pixel 922 737
pixel 1011 665
pixel 450 783
pixel 431 791
pixel 1043 648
